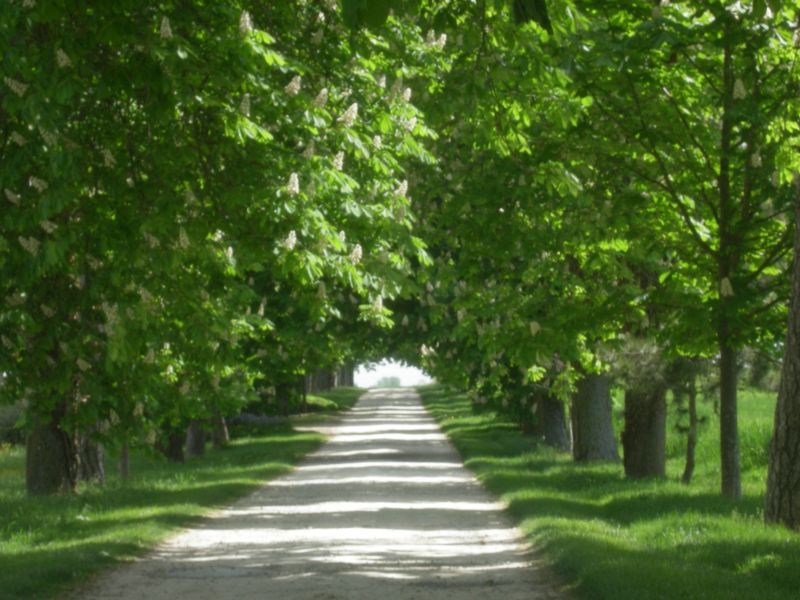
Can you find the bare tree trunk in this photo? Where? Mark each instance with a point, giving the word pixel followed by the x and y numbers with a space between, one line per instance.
pixel 553 422
pixel 644 438
pixel 783 479
pixel 691 434
pixel 124 463
pixel 195 438
pixel 728 425
pixel 592 427
pixel 173 448
pixel 219 433
pixel 90 459
pixel 51 462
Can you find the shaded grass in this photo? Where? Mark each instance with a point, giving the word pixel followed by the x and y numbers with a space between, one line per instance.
pixel 613 538
pixel 50 544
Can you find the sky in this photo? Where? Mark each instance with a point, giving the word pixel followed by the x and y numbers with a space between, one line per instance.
pixel 368 375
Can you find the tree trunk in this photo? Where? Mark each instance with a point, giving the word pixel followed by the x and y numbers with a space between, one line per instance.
pixel 728 425
pixel 124 464
pixel 691 434
pixel 644 437
pixel 173 449
pixel 51 462
pixel 195 439
pixel 346 375
pixel 783 479
pixel 90 459
pixel 219 433
pixel 553 422
pixel 592 428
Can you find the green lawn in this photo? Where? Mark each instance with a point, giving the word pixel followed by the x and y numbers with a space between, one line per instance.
pixel 615 539
pixel 49 544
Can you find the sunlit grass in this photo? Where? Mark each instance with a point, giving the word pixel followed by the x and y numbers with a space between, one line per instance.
pixel 49 544
pixel 613 538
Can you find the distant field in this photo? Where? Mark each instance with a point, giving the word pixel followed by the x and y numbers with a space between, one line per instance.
pixel 612 538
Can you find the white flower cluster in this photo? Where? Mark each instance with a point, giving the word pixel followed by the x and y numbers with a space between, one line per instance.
pixel 382 81
pixel 165 30
pixel 402 189
pixel 377 142
pixel 739 91
pixel 309 150
pixel 31 244
pixel 291 240
pixel 245 23
pixel 435 42
pixel 244 105
pixel 404 321
pixel 349 116
pixel 338 161
pixel 410 124
pixel 293 187
pixel 17 87
pixel 356 254
pixel 725 288
pixel 11 196
pixel 152 240
pixel 111 313
pixel 293 87
pixel 18 139
pixel 755 159
pixel 47 311
pixel 108 158
pixel 316 39
pixel 39 185
pixel 322 98
pixel 407 94
pixel 534 327
pixel 183 238
pixel 378 304
pixel 342 236
pixel 395 89
pixel 48 226
pixel 62 59
pixel 83 365
pixel 49 137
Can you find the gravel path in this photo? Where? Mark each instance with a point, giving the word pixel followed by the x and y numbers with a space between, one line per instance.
pixel 384 510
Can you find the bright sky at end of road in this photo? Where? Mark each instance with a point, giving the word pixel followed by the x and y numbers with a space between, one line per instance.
pixel 368 375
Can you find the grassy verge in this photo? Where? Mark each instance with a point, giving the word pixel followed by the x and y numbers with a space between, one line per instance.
pixel 613 538
pixel 50 544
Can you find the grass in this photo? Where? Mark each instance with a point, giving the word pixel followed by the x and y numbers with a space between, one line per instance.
pixel 48 545
pixel 612 538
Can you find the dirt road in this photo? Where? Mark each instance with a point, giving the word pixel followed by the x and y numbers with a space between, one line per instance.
pixel 384 510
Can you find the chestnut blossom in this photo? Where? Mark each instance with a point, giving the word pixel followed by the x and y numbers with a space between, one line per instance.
pixel 739 91
pixel 293 187
pixel 338 161
pixel 755 159
pixel 244 105
pixel 322 98
pixel 17 87
pixel 378 304
pixel 18 139
pixel 245 23
pixel 382 81
pixel 725 288
pixel 356 254
pixel 402 189
pixel 39 185
pixel 309 150
pixel 62 59
pixel 183 238
pixel 534 327
pixel 316 39
pixel 291 240
pixel 108 158
pixel 48 226
pixel 165 30
pixel 47 311
pixel 349 116
pixel 410 124
pixel 377 142
pixel 83 365
pixel 11 196
pixel 342 236
pixel 30 244
pixel 293 87
pixel 407 94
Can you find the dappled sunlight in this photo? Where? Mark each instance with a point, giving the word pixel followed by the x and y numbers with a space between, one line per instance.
pixel 383 505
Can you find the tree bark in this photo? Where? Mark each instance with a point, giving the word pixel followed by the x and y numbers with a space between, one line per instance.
pixel 644 437
pixel 592 428
pixel 553 422
pixel 728 420
pixel 173 448
pixel 691 435
pixel 51 461
pixel 782 503
pixel 195 438
pixel 90 459
pixel 219 433
pixel 124 463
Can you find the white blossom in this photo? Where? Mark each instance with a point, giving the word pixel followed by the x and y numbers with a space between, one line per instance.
pixel 49 137
pixel 411 124
pixel 293 187
pixel 18 139
pixel 355 254
pixel 739 90
pixel 48 226
pixel 229 253
pixel 62 59
pixel 152 240
pixel 656 12
pixel 395 89
pixel 165 30
pixel 775 179
pixel 7 342
pixel 108 158
pixel 244 105
pixel 47 311
pixel 291 240
pixel 377 142
pixel 17 87
pixel 382 81
pixel 11 196
pixel 320 17
pixel 404 321
pixel 755 159
pixel 342 236
pixel 338 161
pixel 407 94
pixel 316 39
pixel 28 3
pixel 262 306
pixel 183 238
pixel 83 365
pixel 534 327
pixel 725 288
pixel 39 185
pixel 441 41
pixel 402 189
pixel 185 388
pixel 349 116
pixel 309 150
pixel 30 244
pixel 378 304
pixel 188 194
pixel 322 98
pixel 321 291
pixel 245 23
pixel 293 87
